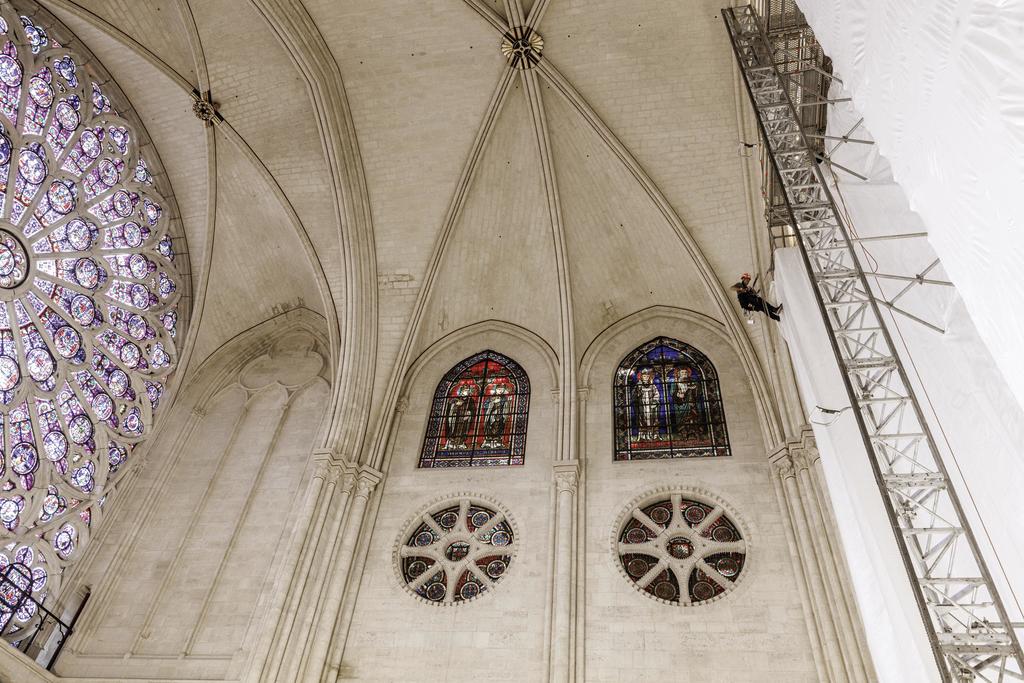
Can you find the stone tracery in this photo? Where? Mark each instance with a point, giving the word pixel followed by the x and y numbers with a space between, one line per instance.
pixel 88 299
pixel 456 550
pixel 680 549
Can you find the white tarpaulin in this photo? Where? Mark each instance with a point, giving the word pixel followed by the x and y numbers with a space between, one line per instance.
pixel 978 424
pixel 941 86
pixel 898 644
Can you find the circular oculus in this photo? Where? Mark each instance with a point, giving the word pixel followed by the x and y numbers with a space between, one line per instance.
pixel 10 71
pixel 87 273
pixel 67 341
pixel 66 115
pixel 61 198
pixel 118 382
pixel 79 234
pixel 132 234
pixel 55 445
pixel 24 459
pixel 83 309
pixel 31 166
pixel 80 429
pixel 40 91
pixel 40 364
pixel 91 144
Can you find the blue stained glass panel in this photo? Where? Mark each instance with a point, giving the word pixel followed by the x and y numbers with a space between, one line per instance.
pixel 668 404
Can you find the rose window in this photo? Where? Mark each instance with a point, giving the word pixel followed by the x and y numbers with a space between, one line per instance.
pixel 681 550
pixel 88 294
pixel 456 550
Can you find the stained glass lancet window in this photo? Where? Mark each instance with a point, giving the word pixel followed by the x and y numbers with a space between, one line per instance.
pixel 668 404
pixel 88 294
pixel 478 417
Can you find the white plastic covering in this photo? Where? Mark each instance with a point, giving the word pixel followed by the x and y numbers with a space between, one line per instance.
pixel 941 86
pixel 979 425
pixel 898 644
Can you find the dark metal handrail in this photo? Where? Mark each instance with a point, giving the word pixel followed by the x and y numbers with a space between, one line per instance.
pixel 16 584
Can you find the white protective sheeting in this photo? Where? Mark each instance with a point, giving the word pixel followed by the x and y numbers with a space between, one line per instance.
pixel 941 86
pixel 898 644
pixel 973 413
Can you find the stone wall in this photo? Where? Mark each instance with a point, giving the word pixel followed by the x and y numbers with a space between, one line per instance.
pixel 756 632
pixel 194 545
pixel 501 634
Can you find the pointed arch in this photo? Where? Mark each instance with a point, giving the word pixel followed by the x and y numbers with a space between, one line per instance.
pixel 667 404
pixel 479 414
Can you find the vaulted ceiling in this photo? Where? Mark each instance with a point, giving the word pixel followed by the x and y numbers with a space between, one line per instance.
pixel 382 164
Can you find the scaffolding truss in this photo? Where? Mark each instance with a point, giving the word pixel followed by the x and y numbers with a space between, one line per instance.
pixel 806 72
pixel 970 632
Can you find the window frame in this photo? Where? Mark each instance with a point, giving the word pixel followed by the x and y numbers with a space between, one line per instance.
pixel 433 456
pixel 710 401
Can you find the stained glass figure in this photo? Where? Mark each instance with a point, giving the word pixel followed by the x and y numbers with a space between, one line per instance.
pixel 667 404
pixel 478 417
pixel 681 550
pixel 88 294
pixel 456 550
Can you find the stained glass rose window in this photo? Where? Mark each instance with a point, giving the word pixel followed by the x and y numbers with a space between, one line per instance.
pixel 680 549
pixel 455 550
pixel 88 293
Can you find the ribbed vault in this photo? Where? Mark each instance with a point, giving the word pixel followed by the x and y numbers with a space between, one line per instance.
pixel 405 174
pixel 561 198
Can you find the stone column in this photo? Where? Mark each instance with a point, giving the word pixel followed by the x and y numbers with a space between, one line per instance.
pixel 840 587
pixel 800 575
pixel 566 480
pixel 339 638
pixel 302 580
pixel 833 624
pixel 314 660
pixel 580 587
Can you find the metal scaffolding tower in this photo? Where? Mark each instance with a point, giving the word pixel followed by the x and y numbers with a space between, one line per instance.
pixel 971 634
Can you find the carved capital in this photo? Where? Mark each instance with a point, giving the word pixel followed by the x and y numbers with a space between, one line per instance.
pixel 809 444
pixel 322 470
pixel 783 462
pixel 366 480
pixel 338 474
pixel 347 480
pixel 566 481
pixel 567 476
pixel 795 454
pixel 402 405
pixel 800 458
pixel 364 487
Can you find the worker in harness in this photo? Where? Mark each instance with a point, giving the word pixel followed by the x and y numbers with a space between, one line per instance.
pixel 750 300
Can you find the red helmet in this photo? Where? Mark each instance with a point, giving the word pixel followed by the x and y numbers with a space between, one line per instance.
pixel 745 276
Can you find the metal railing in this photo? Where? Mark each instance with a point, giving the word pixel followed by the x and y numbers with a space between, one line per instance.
pixel 27 623
pixel 970 632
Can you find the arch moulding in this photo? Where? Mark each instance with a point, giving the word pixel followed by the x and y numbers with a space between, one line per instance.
pixel 459 337
pixel 669 313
